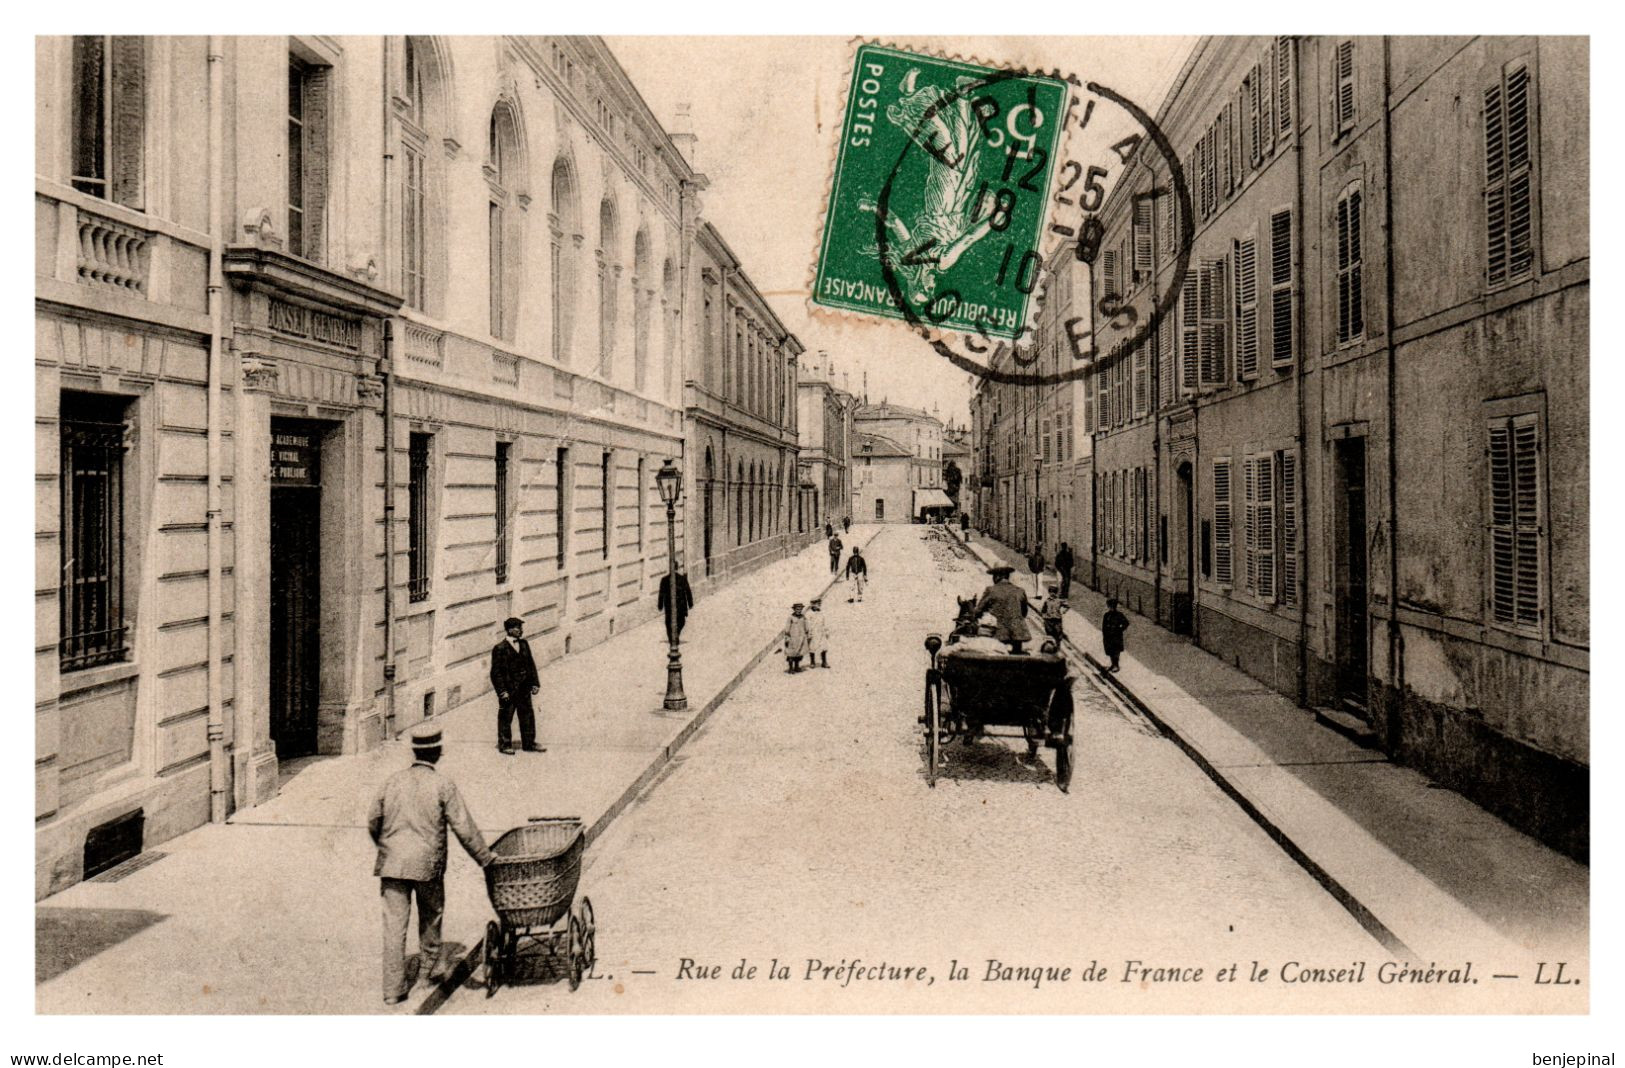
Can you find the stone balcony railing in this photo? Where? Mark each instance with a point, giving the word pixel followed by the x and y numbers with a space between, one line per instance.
pixel 112 254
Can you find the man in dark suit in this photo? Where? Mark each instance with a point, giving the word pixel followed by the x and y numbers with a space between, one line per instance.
pixel 675 612
pixel 513 677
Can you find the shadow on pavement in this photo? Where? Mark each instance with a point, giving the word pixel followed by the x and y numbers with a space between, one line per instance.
pixel 64 938
pixel 990 761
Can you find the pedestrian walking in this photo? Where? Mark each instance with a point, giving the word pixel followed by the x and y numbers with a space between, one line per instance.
pixel 677 614
pixel 1063 567
pixel 408 824
pixel 829 529
pixel 817 634
pixel 964 522
pixel 1112 626
pixel 513 677
pixel 1053 613
pixel 1035 564
pixel 857 573
pixel 795 638
pixel 1007 604
pixel 835 548
pixel 846 522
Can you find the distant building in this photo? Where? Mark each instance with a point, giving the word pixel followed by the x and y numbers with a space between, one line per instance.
pixel 919 434
pixel 883 475
pixel 825 424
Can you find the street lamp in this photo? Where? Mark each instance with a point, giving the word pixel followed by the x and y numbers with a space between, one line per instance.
pixel 670 483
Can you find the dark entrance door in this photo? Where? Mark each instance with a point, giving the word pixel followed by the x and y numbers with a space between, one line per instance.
pixel 1353 658
pixel 296 499
pixel 1184 584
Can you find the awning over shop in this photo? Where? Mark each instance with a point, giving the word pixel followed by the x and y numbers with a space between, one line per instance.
pixel 930 498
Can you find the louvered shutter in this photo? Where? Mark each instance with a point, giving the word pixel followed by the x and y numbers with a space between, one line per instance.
pixel 1495 191
pixel 1131 515
pixel 1246 308
pixel 1264 473
pixel 1283 86
pixel 1168 239
pixel 1503 568
pixel 1189 331
pixel 1288 461
pixel 129 120
pixel 1227 181
pixel 1253 116
pixel 1520 249
pixel 1108 273
pixel 1221 522
pixel 1350 296
pixel 1214 318
pixel 1266 104
pixel 1089 401
pixel 1165 359
pixel 1142 238
pixel 1249 529
pixel 1145 515
pixel 1343 85
pixel 1281 288
pixel 1142 379
pixel 1526 514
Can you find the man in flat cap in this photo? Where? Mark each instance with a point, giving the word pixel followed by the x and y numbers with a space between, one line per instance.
pixel 408 824
pixel 513 677
pixel 1007 603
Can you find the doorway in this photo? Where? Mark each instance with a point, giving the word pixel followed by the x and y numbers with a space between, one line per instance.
pixel 295 664
pixel 710 482
pixel 1353 654
pixel 1184 582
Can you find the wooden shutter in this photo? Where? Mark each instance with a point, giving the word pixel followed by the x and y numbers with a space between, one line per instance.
pixel 1226 157
pixel 1142 238
pixel 1253 90
pixel 1108 273
pixel 1264 472
pixel 1526 513
pixel 128 120
pixel 1189 331
pixel 1343 86
pixel 1503 567
pixel 1142 379
pixel 1281 287
pixel 1211 287
pixel 1089 385
pixel 1287 462
pixel 1283 86
pixel 1266 104
pixel 1350 296
pixel 1221 522
pixel 1168 239
pixel 1249 529
pixel 1508 208
pixel 1165 358
pixel 1246 308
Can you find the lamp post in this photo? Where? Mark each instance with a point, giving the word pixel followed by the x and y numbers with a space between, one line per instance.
pixel 670 482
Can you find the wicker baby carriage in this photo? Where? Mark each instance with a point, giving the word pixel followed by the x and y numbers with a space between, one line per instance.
pixel 532 883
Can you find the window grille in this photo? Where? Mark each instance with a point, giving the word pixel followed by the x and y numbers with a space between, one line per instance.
pixel 92 591
pixel 417 546
pixel 504 450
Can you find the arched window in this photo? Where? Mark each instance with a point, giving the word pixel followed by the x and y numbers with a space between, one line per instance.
pixel 565 225
pixel 504 173
pixel 609 269
pixel 739 504
pixel 668 333
pixel 424 125
pixel 642 297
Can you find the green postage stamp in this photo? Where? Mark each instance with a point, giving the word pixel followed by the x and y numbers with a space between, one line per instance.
pixel 939 194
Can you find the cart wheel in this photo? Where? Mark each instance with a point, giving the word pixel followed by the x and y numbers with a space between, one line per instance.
pixel 589 933
pixel 933 745
pixel 493 957
pixel 1063 757
pixel 1035 738
pixel 575 952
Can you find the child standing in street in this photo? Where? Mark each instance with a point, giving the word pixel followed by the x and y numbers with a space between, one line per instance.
pixel 817 635
pixel 795 638
pixel 1112 627
pixel 1053 612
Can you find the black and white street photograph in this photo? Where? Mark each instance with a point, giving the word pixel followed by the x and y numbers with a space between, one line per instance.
pixel 816 526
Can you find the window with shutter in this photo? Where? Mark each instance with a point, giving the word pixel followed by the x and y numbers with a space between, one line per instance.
pixel 1145 515
pixel 1209 167
pixel 1250 88
pixel 1249 528
pixel 1214 314
pixel 1089 402
pixel 1108 274
pixel 1264 472
pixel 1283 86
pixel 1046 439
pixel 1343 87
pixel 1221 522
pixel 1281 288
pixel 1142 238
pixel 1168 239
pixel 1165 361
pixel 1227 176
pixel 1508 173
pixel 1142 379
pixel 1516 532
pixel 1189 330
pixel 1246 308
pixel 1286 463
pixel 1266 104
pixel 1350 293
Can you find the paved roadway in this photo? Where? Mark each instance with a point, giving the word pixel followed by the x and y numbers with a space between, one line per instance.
pixel 798 826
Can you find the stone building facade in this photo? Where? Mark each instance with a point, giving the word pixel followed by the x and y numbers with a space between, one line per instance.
pixel 346 350
pixel 825 425
pixel 1353 460
pixel 920 435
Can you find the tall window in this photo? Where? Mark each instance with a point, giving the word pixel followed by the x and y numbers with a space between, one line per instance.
pixel 1259 477
pixel 1281 287
pixel 109 118
pixel 561 501
pixel 608 268
pixel 417 543
pixel 1516 531
pixel 566 227
pixel 504 506
pixel 1221 522
pixel 1350 292
pixel 504 180
pixel 1246 291
pixel 414 211
pixel 494 229
pixel 1343 88
pixel 668 333
pixel 1508 176
pixel 307 157
pixel 642 298
pixel 1212 348
pixel 642 507
pixel 92 585
pixel 607 500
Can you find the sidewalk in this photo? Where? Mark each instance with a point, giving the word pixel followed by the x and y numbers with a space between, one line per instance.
pixel 1448 880
pixel 277 910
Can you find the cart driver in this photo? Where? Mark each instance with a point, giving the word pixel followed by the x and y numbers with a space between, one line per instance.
pixel 1007 604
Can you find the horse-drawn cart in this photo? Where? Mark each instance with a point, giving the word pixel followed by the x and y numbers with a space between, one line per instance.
pixel 974 683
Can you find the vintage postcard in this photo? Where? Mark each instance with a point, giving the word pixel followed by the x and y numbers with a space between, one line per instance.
pixel 812 525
